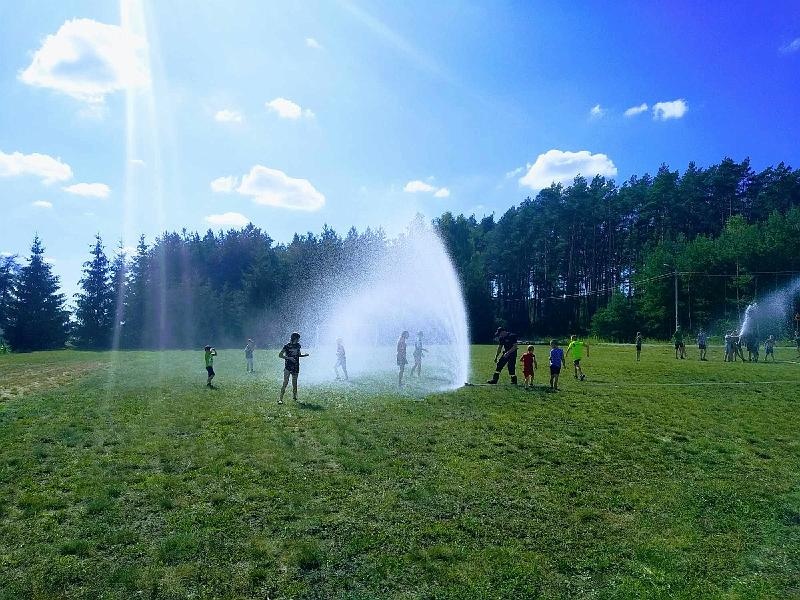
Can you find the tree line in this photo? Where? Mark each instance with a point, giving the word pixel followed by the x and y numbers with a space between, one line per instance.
pixel 592 256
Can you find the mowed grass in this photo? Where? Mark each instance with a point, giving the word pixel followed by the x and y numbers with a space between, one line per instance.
pixel 122 476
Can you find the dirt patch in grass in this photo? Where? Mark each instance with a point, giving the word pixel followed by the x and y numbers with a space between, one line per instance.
pixel 22 380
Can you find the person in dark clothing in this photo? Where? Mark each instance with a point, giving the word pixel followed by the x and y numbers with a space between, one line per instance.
pixel 506 355
pixel 291 355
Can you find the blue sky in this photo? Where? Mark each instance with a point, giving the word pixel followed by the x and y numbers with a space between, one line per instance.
pixel 117 118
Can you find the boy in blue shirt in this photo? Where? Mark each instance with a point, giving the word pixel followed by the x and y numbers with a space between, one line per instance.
pixel 556 362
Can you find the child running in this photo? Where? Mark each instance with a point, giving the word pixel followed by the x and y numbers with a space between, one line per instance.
pixel 576 347
pixel 248 355
pixel 402 357
pixel 291 355
pixel 529 365
pixel 418 352
pixel 210 353
pixel 769 348
pixel 556 362
pixel 638 345
pixel 341 360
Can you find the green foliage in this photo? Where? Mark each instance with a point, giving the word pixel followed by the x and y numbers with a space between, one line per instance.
pixel 95 309
pixel 617 321
pixel 36 318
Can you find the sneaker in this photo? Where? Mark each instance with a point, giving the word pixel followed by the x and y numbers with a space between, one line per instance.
pixel 492 381
pixel 280 400
pixel 583 377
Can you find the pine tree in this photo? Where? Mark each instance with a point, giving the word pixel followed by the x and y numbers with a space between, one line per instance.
pixel 95 303
pixel 37 318
pixel 119 284
pixel 9 268
pixel 136 297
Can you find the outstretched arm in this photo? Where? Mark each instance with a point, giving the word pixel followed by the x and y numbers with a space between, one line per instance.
pixel 499 350
pixel 303 355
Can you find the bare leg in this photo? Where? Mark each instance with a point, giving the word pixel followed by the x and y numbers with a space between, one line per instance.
pixel 400 376
pixel 294 386
pixel 285 383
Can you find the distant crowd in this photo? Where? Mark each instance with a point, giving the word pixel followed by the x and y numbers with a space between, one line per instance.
pixel 735 346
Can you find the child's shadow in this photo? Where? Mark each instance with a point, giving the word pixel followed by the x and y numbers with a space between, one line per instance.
pixel 310 406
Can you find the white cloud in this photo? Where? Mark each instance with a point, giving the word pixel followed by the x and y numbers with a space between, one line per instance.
pixel 224 185
pixel 312 43
pixel 792 46
pixel 418 186
pixel 597 112
pixel 560 166
pixel 50 260
pixel 232 219
pixel 228 116
pixel 47 168
pixel 137 162
pixel 286 109
pixel 272 187
pixel 673 109
pixel 90 190
pixel 87 60
pixel 42 204
pixel 636 110
pixel 515 172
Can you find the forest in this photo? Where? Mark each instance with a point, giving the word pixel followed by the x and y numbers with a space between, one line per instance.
pixel 593 257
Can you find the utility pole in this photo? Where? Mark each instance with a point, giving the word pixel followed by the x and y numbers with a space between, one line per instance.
pixel 676 298
pixel 675 273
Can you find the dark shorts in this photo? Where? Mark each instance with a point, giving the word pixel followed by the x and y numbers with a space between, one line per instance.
pixel 577 362
pixel 638 346
pixel 555 370
pixel 769 350
pixel 527 372
pixel 402 361
pixel 210 371
pixel 701 346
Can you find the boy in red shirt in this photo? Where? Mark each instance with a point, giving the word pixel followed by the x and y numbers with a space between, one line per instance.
pixel 528 361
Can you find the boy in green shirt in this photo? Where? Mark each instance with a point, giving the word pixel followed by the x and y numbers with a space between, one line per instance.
pixel 576 347
pixel 210 353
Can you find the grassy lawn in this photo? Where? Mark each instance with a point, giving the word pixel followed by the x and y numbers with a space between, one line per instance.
pixel 121 476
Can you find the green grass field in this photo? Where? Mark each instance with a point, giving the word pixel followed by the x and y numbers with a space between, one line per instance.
pixel 121 476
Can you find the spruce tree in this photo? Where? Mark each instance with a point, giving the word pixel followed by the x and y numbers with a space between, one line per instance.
pixel 9 268
pixel 94 311
pixel 37 318
pixel 136 296
pixel 119 284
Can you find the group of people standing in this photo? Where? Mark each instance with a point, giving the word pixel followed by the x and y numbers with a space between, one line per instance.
pixel 506 357
pixel 735 344
pixel 291 353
